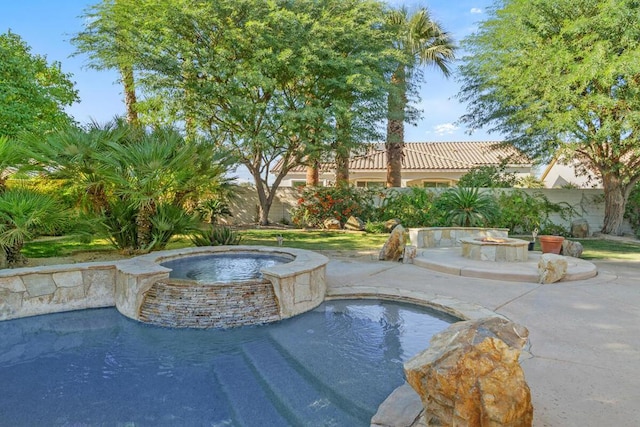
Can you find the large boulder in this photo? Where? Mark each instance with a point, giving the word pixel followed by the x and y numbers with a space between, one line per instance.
pixel 551 268
pixel 572 248
pixel 580 228
pixel 354 224
pixel 470 376
pixel 331 224
pixel 390 224
pixel 393 248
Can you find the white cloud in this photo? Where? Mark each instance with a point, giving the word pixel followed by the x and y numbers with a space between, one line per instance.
pixel 445 129
pixel 476 10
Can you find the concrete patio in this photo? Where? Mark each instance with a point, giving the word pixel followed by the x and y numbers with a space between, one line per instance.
pixel 583 365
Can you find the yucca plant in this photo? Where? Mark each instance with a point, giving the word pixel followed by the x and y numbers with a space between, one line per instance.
pixel 215 236
pixel 467 207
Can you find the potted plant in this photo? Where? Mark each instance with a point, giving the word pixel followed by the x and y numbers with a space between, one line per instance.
pixel 551 244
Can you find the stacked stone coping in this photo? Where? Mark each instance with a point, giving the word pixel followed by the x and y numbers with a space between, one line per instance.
pixel 31 291
pixel 446 237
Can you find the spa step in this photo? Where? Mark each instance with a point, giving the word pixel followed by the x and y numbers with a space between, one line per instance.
pixel 303 399
pixel 249 401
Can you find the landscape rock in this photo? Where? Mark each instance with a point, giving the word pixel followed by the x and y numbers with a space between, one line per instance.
pixel 470 375
pixel 391 224
pixel 331 224
pixel 580 228
pixel 354 224
pixel 572 248
pixel 551 268
pixel 409 254
pixel 393 249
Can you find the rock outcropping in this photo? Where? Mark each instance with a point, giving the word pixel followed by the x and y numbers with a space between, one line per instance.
pixel 470 376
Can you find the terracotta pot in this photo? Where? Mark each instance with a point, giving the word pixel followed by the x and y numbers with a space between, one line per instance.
pixel 551 244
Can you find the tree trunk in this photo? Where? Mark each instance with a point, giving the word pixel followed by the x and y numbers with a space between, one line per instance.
pixel 313 174
pixel 614 204
pixel 396 104
pixel 343 149
pixel 144 225
pixel 342 167
pixel 130 100
pixel 264 200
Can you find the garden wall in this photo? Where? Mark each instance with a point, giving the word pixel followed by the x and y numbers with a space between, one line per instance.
pixel 588 204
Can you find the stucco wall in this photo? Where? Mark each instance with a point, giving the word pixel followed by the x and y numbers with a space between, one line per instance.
pixel 588 204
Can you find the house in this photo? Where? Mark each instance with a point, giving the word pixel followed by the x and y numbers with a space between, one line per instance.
pixel 564 174
pixel 425 164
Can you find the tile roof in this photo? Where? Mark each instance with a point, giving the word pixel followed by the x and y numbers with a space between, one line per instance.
pixel 435 156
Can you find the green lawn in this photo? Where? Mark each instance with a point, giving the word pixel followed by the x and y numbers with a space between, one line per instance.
pixel 594 249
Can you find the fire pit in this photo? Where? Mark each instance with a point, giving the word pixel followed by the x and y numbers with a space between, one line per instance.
pixel 495 249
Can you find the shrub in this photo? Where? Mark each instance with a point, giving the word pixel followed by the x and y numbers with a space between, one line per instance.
pixel 317 204
pixel 414 208
pixel 467 207
pixel 632 211
pixel 375 227
pixel 215 236
pixel 488 177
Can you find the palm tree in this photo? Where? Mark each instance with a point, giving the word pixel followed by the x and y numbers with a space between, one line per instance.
pixel 421 41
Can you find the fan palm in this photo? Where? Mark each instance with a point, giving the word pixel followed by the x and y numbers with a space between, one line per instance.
pixel 420 41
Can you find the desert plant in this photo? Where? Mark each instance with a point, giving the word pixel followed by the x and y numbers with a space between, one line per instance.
pixel 215 235
pixel 413 207
pixel 212 209
pixel 24 214
pixel 467 207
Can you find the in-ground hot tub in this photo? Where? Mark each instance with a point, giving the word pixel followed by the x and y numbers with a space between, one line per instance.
pixel 284 282
pixel 500 249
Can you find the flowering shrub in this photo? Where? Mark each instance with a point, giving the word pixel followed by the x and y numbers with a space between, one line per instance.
pixel 316 204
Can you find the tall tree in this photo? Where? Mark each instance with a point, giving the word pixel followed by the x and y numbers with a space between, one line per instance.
pixel 33 93
pixel 267 80
pixel 560 77
pixel 108 38
pixel 421 41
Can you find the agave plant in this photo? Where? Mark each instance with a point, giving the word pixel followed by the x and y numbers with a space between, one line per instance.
pixel 215 236
pixel 467 207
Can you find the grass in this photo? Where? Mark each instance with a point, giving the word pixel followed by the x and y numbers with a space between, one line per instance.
pixel 594 249
pixel 315 239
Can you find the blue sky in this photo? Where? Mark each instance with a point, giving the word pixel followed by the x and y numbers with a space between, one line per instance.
pixel 47 26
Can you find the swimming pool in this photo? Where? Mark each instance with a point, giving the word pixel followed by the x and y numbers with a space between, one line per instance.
pixel 331 366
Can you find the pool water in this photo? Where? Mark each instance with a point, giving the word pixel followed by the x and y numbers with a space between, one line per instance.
pixel 332 366
pixel 222 267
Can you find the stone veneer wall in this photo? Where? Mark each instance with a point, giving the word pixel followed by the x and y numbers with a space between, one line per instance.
pixel 445 237
pixel 184 303
pixel 50 289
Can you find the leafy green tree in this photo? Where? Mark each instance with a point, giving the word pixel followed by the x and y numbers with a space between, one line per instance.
pixel 33 92
pixel 420 41
pixel 562 77
pixel 107 40
pixel 487 177
pixel 269 81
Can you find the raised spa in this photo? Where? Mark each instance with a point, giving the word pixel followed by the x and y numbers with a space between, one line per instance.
pixel 220 286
